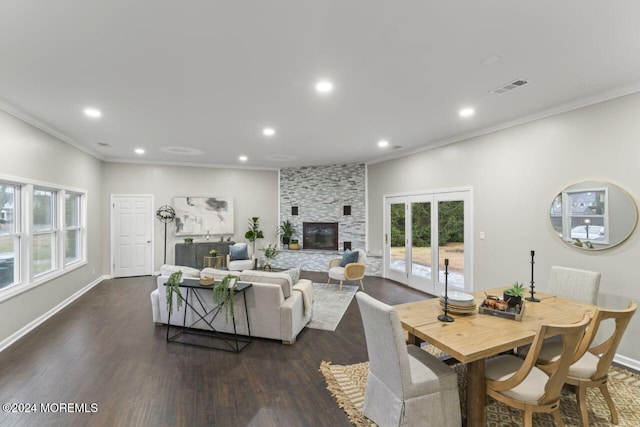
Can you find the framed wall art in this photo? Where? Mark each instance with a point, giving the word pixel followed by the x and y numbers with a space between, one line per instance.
pixel 203 215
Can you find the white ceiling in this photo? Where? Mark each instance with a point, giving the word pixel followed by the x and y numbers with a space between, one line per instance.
pixel 208 75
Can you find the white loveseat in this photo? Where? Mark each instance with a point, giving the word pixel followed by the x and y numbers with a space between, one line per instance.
pixel 275 305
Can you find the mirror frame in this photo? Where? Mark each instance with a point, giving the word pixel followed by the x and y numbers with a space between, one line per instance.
pixel 591 245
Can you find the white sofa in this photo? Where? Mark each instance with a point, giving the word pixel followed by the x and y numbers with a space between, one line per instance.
pixel 275 305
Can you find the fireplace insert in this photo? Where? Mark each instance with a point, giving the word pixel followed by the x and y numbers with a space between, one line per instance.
pixel 320 235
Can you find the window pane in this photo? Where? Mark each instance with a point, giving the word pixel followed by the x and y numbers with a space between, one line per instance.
pixel 451 240
pixel 42 253
pixel 398 252
pixel 421 239
pixel 42 210
pixel 72 246
pixel 71 210
pixel 7 204
pixel 7 257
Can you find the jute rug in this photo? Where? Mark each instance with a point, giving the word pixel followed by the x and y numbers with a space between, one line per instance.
pixel 329 305
pixel 346 384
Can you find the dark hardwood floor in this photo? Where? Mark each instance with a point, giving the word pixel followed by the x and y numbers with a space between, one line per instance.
pixel 105 349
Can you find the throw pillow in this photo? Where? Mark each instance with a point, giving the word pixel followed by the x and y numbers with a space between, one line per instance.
pixel 294 273
pixel 237 252
pixel 349 257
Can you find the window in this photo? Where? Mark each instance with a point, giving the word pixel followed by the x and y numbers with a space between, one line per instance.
pixel 44 231
pixel 72 227
pixel 9 234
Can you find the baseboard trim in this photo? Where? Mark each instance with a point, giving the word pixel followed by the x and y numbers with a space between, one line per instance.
pixel 4 344
pixel 627 361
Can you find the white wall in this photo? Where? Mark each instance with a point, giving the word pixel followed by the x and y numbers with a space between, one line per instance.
pixel 255 193
pixel 515 174
pixel 26 152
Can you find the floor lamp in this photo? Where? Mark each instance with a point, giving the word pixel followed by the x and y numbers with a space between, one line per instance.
pixel 165 214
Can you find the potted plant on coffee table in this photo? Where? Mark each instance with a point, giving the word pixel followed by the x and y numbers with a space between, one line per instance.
pixel 514 294
pixel 270 253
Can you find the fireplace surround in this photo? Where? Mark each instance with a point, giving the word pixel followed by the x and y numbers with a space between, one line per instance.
pixel 320 235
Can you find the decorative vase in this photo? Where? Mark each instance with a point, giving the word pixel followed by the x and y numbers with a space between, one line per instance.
pixel 294 246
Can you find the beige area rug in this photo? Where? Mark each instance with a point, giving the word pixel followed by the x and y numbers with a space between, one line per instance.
pixel 329 305
pixel 346 384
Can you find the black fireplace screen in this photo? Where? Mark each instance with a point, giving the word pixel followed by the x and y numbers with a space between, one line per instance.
pixel 320 235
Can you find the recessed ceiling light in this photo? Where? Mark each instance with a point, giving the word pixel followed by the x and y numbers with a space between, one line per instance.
pixel 383 143
pixel 139 150
pixel 324 86
pixel 92 112
pixel 490 60
pixel 467 112
pixel 268 131
pixel 243 158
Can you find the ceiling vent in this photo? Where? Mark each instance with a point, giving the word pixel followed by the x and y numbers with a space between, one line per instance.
pixel 510 86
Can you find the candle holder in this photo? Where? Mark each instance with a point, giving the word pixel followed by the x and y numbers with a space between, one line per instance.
pixel 532 298
pixel 445 317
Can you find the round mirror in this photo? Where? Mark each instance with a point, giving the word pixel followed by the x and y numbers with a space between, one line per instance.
pixel 593 215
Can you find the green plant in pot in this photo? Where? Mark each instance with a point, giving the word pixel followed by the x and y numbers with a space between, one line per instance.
pixel 286 231
pixel 270 253
pixel 254 232
pixel 173 287
pixel 514 294
pixel 188 239
pixel 223 294
pixel 213 252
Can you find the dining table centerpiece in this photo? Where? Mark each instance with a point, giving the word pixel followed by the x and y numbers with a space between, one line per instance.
pixel 513 295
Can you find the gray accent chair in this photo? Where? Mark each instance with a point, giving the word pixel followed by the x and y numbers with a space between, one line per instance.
pixel 406 386
pixel 571 283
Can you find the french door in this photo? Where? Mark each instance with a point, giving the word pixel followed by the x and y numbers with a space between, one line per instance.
pixel 424 230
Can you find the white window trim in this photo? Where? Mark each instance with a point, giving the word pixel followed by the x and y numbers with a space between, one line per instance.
pixel 24 260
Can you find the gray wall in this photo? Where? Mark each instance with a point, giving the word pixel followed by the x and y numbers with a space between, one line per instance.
pixel 255 193
pixel 515 174
pixel 31 154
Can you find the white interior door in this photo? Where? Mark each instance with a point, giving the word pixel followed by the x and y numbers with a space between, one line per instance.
pixel 131 235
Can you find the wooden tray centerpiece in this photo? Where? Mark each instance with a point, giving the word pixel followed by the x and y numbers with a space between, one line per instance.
pixel 495 306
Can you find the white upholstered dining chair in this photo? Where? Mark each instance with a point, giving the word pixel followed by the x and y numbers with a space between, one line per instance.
pixel 591 362
pixel 522 385
pixel 571 283
pixel 406 386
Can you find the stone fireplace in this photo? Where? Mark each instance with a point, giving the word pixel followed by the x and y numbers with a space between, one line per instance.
pixel 320 235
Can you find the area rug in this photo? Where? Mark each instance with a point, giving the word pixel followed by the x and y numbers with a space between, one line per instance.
pixel 346 385
pixel 329 305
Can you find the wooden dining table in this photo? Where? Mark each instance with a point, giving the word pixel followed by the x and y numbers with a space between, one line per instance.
pixel 472 338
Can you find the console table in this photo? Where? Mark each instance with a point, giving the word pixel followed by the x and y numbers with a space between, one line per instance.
pixel 217 340
pixel 192 254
